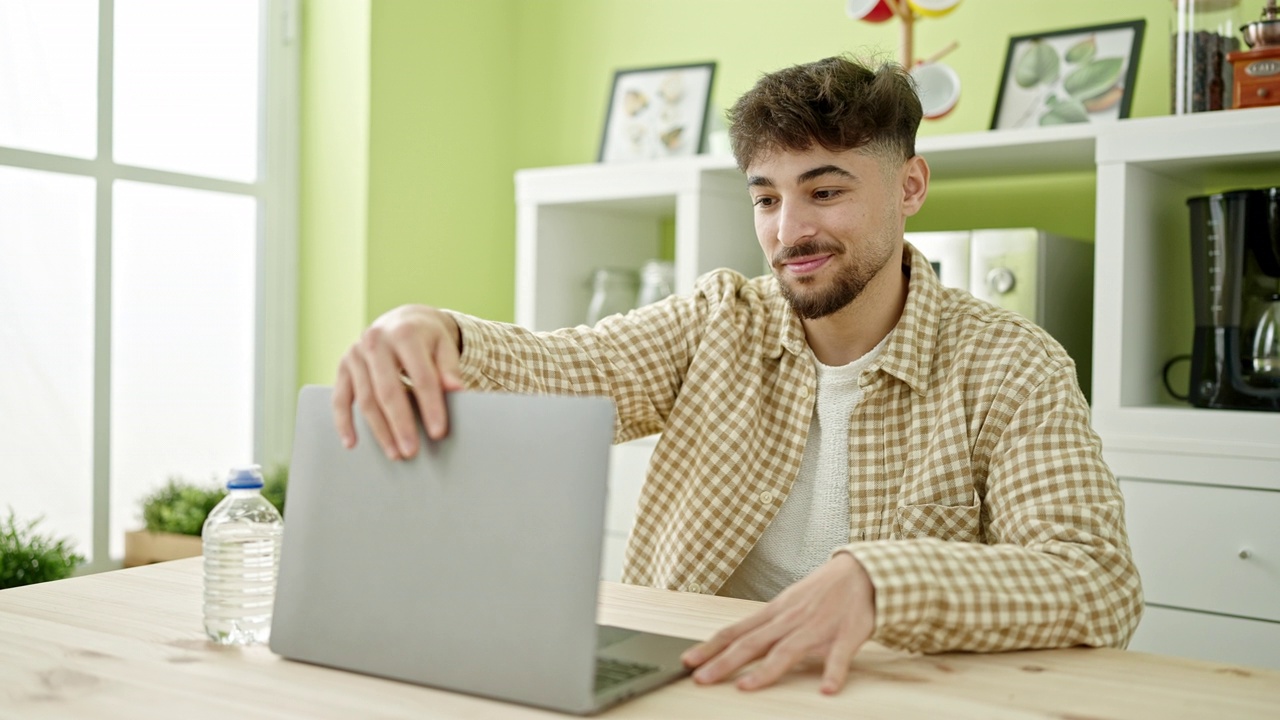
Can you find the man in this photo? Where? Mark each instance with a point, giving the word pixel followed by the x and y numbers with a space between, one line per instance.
pixel 874 454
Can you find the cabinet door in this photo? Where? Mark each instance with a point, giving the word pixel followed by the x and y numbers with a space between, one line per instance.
pixel 628 465
pixel 1215 549
pixel 1208 637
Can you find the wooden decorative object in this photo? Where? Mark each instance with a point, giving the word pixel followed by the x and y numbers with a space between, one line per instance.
pixel 1255 77
pixel 143 548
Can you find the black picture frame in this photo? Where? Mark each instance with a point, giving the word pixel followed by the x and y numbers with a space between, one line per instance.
pixel 1076 75
pixel 657 112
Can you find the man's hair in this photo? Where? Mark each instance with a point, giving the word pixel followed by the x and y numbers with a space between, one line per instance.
pixel 838 103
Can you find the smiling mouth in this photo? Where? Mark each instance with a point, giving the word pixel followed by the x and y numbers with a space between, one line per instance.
pixel 806 265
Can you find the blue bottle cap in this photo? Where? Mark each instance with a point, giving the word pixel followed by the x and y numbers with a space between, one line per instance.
pixel 245 478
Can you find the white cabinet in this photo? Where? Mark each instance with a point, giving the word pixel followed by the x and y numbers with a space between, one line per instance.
pixel 1198 482
pixel 1202 487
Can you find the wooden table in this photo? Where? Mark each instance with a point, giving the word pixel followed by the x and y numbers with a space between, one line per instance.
pixel 129 645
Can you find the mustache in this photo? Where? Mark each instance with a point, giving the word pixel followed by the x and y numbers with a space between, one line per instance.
pixel 810 248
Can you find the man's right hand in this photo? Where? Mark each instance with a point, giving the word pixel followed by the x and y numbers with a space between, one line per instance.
pixel 416 342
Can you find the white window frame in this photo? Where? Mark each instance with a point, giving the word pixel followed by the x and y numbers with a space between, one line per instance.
pixel 276 192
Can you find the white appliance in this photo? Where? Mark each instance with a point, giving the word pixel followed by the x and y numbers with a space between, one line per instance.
pixel 1047 278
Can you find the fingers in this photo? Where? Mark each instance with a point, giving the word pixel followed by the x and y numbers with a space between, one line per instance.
pixel 831 613
pixel 836 668
pixel 343 396
pixel 783 656
pixel 736 646
pixel 429 394
pixel 702 652
pixel 367 401
pixel 388 390
pixel 413 346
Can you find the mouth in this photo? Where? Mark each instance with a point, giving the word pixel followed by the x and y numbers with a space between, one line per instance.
pixel 804 265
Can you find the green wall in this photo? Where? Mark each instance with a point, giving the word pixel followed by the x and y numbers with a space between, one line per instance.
pixel 333 187
pixel 461 93
pixel 441 147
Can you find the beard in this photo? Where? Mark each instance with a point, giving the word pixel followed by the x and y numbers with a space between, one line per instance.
pixel 810 302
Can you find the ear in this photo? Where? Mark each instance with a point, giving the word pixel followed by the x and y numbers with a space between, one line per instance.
pixel 915 185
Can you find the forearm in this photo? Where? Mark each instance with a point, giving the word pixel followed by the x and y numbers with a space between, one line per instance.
pixel 934 595
pixel 618 359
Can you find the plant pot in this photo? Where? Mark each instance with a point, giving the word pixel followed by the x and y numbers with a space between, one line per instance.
pixel 143 548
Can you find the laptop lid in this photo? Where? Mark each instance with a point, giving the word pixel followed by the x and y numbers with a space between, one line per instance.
pixel 473 566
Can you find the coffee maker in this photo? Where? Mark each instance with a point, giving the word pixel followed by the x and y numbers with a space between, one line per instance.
pixel 1235 264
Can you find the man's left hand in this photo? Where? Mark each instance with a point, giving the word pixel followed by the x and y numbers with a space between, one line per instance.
pixel 830 613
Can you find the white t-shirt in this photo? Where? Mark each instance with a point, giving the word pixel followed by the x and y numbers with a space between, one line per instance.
pixel 814 519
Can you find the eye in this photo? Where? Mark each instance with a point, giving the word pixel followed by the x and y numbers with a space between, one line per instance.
pixel 763 201
pixel 826 194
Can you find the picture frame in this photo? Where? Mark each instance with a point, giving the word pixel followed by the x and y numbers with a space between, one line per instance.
pixel 657 112
pixel 1076 75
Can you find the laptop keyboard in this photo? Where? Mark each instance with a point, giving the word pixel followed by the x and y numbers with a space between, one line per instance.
pixel 611 672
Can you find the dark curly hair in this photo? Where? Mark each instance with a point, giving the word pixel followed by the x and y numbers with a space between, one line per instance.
pixel 838 103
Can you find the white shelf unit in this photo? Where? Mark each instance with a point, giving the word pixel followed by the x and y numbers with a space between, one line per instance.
pixel 1203 485
pixel 1143 314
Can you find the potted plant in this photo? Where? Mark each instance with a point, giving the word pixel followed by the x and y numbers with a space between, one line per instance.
pixel 174 514
pixel 28 557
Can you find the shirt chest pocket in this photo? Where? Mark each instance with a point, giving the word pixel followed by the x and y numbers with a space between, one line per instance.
pixel 956 523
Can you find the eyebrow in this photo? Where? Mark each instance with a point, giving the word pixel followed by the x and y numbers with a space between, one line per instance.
pixel 804 177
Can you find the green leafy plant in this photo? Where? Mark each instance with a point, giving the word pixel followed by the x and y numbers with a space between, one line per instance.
pixel 274 483
pixel 181 506
pixel 28 557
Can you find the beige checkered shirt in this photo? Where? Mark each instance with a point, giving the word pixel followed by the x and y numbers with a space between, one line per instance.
pixel 980 504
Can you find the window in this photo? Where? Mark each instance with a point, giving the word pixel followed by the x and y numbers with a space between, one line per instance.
pixel 147 225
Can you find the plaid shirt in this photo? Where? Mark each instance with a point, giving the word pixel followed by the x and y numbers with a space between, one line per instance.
pixel 980 505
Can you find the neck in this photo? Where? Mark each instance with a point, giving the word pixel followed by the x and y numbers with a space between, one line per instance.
pixel 851 332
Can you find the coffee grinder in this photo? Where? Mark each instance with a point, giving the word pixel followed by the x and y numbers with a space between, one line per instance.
pixel 1235 264
pixel 1256 72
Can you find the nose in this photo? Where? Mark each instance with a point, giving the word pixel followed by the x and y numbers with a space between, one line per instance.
pixel 794 224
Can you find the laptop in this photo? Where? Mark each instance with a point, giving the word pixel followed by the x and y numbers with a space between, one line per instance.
pixel 472 567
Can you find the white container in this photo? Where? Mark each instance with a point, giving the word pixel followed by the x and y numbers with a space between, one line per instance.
pixel 241 561
pixel 613 292
pixel 657 280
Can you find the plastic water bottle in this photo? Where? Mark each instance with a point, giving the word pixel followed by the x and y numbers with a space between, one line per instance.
pixel 241 559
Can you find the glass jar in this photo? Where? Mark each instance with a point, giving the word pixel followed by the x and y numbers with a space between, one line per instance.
pixel 613 291
pixel 1204 32
pixel 1266 342
pixel 657 280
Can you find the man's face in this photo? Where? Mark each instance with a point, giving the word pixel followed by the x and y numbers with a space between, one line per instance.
pixel 828 222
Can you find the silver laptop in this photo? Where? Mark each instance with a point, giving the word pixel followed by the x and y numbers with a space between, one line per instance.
pixel 473 566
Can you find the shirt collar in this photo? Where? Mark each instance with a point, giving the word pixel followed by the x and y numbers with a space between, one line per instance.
pixel 908 352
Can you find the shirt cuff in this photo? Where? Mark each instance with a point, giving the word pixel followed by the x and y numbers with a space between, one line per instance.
pixel 902 590
pixel 476 335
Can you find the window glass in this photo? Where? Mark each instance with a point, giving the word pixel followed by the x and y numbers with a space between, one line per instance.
pixel 49 76
pixel 182 341
pixel 46 351
pixel 186 86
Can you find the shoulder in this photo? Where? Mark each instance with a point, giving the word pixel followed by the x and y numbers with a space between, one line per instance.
pixel 725 284
pixel 749 313
pixel 983 338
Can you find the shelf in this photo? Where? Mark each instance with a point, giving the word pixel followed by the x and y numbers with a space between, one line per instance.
pixel 1241 434
pixel 1235 140
pixel 1191 144
pixel 1000 153
pixel 627 183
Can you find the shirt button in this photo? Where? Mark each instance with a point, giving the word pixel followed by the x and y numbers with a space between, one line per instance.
pixel 766 497
pixel 804 393
pixel 693 588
